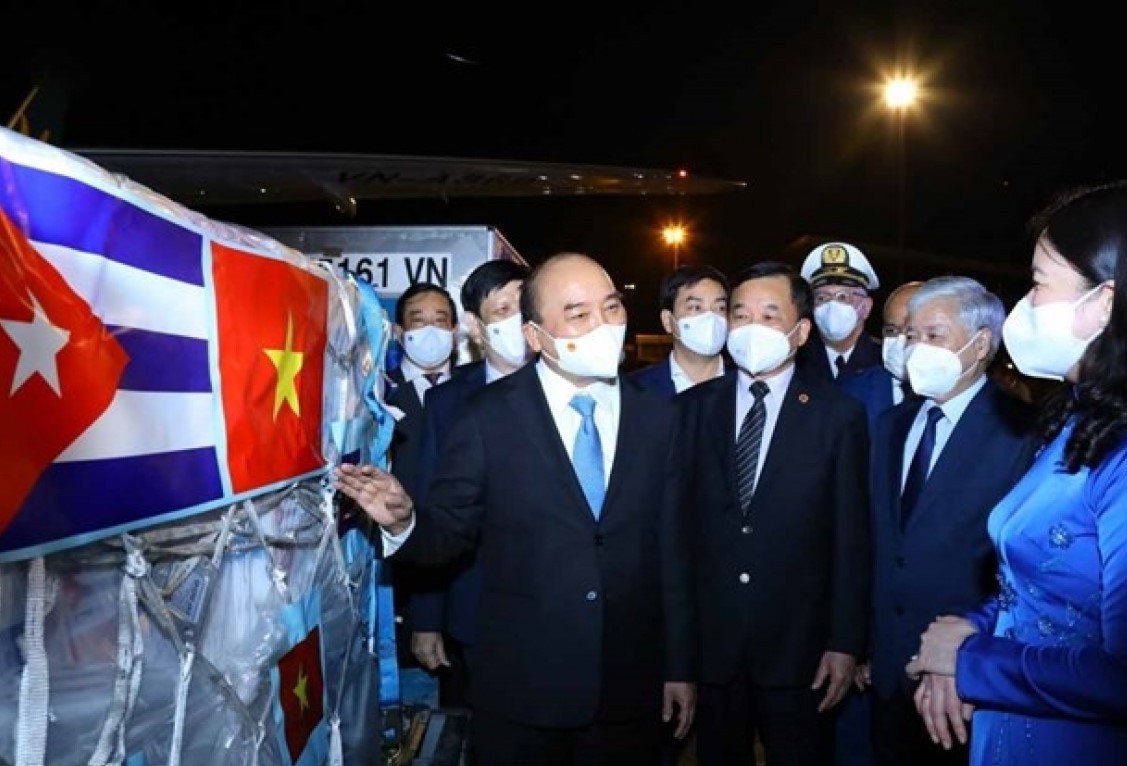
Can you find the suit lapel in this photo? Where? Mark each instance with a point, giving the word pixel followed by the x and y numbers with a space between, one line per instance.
pixel 631 433
pixel 901 424
pixel 721 419
pixel 789 437
pixel 961 448
pixel 532 414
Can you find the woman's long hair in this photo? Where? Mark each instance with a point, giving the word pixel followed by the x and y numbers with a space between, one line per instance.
pixel 1088 227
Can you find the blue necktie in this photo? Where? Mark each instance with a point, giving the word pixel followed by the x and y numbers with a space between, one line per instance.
pixel 921 465
pixel 587 455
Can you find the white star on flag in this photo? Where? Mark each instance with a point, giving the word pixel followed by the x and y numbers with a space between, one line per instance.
pixel 39 342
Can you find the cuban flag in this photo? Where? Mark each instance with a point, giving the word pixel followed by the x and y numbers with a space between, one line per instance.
pixel 148 371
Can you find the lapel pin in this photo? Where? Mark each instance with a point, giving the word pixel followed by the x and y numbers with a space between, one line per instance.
pixel 804 398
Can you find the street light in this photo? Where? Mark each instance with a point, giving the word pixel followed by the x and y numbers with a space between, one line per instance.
pixel 900 94
pixel 674 235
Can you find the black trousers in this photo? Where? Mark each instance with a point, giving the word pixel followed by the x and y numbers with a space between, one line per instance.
pixel 901 739
pixel 786 720
pixel 454 680
pixel 499 742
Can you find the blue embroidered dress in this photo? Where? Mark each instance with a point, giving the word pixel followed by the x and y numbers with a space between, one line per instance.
pixel 1047 672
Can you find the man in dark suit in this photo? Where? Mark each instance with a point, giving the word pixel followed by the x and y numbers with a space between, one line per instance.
pixel 878 388
pixel 780 506
pixel 931 553
pixel 843 280
pixel 883 387
pixel 442 607
pixel 425 316
pixel 694 310
pixel 568 479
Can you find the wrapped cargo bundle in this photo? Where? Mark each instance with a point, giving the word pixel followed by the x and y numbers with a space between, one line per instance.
pixel 178 583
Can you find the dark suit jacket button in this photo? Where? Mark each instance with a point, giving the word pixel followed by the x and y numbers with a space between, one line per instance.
pixel 592 595
pixel 899 610
pixel 599 538
pixel 900 561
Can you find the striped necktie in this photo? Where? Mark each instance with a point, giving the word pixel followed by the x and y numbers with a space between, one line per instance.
pixel 748 443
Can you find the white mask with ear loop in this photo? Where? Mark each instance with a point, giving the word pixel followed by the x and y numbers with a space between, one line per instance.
pixel 507 340
pixel 596 354
pixel 933 370
pixel 703 333
pixel 892 354
pixel 1039 339
pixel 836 320
pixel 428 346
pixel 757 348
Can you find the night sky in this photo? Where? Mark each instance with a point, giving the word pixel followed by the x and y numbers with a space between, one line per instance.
pixel 1019 99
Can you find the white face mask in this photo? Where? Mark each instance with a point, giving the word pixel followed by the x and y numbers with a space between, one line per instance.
pixel 1039 339
pixel 703 333
pixel 757 348
pixel 892 351
pixel 836 320
pixel 428 346
pixel 933 371
pixel 507 340
pixel 594 355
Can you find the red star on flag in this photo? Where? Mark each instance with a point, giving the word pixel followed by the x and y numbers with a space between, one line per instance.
pixel 59 366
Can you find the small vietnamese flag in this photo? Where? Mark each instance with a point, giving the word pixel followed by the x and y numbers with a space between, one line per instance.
pixel 301 691
pixel 59 366
pixel 272 319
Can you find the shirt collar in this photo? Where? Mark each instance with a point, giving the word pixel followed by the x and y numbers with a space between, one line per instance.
pixel 558 390
pixel 954 408
pixel 681 380
pixel 492 373
pixel 410 370
pixel 832 355
pixel 777 384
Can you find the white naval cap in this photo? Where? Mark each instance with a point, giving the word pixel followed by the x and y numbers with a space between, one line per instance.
pixel 839 263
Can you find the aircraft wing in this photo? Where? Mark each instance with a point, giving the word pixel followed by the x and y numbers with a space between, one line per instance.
pixel 195 178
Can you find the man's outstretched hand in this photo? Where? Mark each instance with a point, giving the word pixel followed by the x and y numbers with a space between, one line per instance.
pixel 379 493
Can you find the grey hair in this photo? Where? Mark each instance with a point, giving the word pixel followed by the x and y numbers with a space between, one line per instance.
pixel 978 307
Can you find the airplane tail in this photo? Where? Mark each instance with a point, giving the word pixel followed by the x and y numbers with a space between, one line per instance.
pixel 40 114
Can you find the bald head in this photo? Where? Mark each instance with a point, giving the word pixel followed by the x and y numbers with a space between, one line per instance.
pixel 895 314
pixel 564 265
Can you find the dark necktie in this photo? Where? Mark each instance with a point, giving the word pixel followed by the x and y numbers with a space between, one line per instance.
pixel 433 377
pixel 918 470
pixel 839 363
pixel 748 443
pixel 587 454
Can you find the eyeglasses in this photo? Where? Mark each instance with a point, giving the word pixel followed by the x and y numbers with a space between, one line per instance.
pixel 892 330
pixel 841 296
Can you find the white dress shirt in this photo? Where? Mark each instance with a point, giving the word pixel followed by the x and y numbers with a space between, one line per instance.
pixel 777 385
pixel 558 391
pixel 897 390
pixel 952 411
pixel 681 380
pixel 414 375
pixel 832 356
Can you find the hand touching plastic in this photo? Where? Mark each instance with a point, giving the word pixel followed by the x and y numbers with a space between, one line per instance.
pixel 379 493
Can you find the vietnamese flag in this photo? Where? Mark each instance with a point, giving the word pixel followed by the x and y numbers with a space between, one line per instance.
pixel 271 318
pixel 59 367
pixel 301 691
